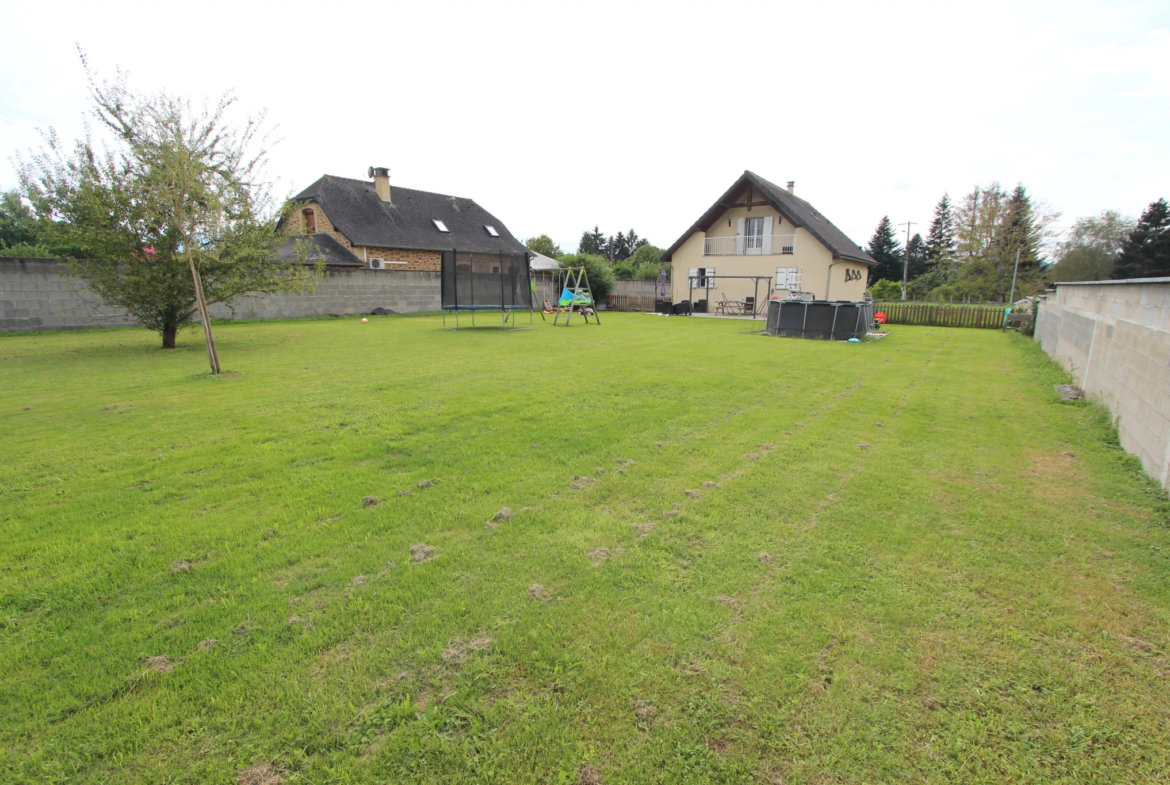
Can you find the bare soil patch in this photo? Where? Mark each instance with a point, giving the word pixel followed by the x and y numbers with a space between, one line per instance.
pixel 538 592
pixel 579 482
pixel 160 663
pixel 643 529
pixel 181 566
pixel 459 649
pixel 423 553
pixel 371 501
pixel 599 555
pixel 694 494
pixel 260 774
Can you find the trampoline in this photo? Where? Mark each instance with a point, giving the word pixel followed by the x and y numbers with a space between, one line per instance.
pixel 476 282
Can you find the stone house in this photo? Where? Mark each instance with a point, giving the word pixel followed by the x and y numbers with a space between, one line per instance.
pixel 359 223
pixel 758 229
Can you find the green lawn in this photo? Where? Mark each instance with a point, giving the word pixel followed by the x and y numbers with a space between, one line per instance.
pixel 788 561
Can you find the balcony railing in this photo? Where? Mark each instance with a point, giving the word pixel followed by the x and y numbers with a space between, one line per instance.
pixel 749 245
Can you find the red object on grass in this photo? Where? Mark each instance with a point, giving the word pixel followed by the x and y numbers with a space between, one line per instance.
pixel 880 317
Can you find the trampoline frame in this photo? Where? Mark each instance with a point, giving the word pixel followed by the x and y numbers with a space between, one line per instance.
pixel 508 311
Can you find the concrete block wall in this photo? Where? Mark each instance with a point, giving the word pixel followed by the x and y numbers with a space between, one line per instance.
pixel 39 294
pixel 1114 338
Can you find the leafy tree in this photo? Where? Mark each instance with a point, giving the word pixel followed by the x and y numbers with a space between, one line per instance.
pixel 940 239
pixel 887 251
pixel 543 244
pixel 916 256
pixel 624 270
pixel 991 226
pixel 598 270
pixel 18 224
pixel 1146 252
pixel 592 242
pixel 646 253
pixel 169 216
pixel 1091 250
pixel 886 290
pixel 650 271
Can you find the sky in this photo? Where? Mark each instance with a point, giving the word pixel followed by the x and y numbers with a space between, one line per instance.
pixel 556 116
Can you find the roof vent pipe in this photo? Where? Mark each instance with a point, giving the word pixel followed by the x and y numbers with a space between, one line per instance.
pixel 381 177
pixel 791 186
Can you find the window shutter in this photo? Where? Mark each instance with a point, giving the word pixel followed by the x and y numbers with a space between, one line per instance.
pixel 766 245
pixel 740 226
pixel 692 277
pixel 710 273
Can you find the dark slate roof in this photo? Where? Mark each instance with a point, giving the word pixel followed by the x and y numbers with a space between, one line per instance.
pixel 356 210
pixel 323 246
pixel 796 210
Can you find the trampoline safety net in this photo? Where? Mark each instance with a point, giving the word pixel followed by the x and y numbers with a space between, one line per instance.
pixel 485 282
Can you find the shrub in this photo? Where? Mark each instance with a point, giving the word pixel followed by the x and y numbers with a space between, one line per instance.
pixel 886 290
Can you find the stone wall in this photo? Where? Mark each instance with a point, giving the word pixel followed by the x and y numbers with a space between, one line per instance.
pixel 1114 337
pixel 38 294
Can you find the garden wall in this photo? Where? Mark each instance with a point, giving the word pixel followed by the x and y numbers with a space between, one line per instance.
pixel 1114 337
pixel 39 294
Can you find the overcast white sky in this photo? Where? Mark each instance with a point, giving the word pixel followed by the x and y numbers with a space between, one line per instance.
pixel 558 115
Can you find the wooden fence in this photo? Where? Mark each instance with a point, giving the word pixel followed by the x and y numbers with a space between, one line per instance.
pixel 626 302
pixel 988 317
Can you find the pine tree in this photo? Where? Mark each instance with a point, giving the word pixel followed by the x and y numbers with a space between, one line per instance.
pixel 916 256
pixel 1146 253
pixel 592 242
pixel 886 251
pixel 940 242
pixel 1021 233
pixel 618 248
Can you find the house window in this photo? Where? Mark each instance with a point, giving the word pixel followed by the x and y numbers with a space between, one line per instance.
pixel 442 227
pixel 788 278
pixel 702 277
pixel 491 230
pixel 753 235
pixel 310 221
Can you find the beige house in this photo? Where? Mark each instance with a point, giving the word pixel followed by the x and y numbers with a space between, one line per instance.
pixel 759 229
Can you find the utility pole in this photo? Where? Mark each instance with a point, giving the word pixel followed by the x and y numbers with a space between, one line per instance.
pixel 1012 297
pixel 906 266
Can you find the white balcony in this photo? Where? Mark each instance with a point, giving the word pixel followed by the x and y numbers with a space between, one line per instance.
pixel 750 245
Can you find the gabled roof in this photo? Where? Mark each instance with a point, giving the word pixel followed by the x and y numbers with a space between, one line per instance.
pixel 541 262
pixel 321 246
pixel 796 210
pixel 407 221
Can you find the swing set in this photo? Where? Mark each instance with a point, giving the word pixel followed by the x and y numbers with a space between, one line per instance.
pixel 575 297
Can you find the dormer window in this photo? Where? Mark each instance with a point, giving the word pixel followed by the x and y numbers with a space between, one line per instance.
pixel 442 227
pixel 491 230
pixel 310 221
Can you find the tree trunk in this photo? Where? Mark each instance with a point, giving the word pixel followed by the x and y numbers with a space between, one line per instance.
pixel 168 333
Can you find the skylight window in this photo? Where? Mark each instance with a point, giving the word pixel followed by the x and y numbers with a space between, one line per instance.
pixel 491 230
pixel 442 227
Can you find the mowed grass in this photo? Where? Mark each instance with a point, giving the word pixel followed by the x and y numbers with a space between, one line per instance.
pixel 898 562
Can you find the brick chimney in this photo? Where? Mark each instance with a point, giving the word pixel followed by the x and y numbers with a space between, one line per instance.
pixel 791 186
pixel 381 177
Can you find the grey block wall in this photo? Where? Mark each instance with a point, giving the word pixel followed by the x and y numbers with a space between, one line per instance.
pixel 1114 338
pixel 39 294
